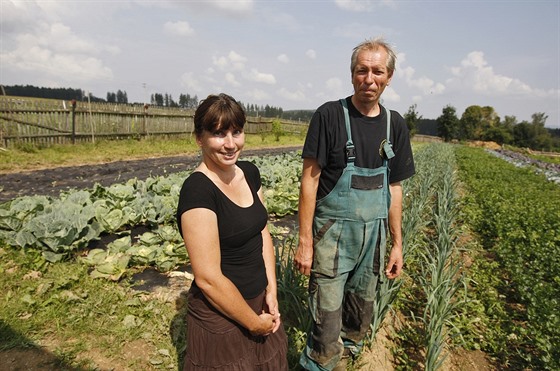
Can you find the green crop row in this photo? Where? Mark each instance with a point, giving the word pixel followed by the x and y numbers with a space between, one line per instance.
pixel 516 213
pixel 430 294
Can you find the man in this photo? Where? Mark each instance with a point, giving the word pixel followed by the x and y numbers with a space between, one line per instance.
pixel 355 156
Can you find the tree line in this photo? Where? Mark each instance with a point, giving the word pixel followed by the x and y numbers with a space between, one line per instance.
pixel 191 102
pixel 484 124
pixel 49 93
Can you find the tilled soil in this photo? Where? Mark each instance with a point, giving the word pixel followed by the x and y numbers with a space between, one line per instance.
pixel 50 182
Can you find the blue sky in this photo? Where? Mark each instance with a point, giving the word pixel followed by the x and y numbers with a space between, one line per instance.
pixel 291 54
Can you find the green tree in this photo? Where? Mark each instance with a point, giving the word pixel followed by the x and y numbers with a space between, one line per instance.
pixel 508 123
pixel 277 130
pixel 111 97
pixel 157 99
pixel 502 133
pixel 122 96
pixel 183 100
pixel 533 134
pixel 448 123
pixel 498 134
pixel 523 134
pixel 542 140
pixel 489 119
pixel 412 118
pixel 470 127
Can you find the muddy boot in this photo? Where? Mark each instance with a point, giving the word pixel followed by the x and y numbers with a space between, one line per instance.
pixel 341 365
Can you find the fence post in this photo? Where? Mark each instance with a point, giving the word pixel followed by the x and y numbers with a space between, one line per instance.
pixel 73 121
pixel 145 118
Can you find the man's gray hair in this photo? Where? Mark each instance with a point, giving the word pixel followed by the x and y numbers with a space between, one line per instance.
pixel 375 44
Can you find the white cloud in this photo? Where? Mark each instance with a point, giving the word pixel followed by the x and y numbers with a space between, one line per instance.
pixel 296 96
pixel 237 60
pixel 311 54
pixel 233 61
pixel 283 58
pixel 258 95
pixel 390 95
pixel 190 82
pixel 417 98
pixel 426 85
pixel 56 52
pixel 362 5
pixel 179 28
pixel 360 31
pixel 475 74
pixel 220 62
pixel 265 78
pixel 233 6
pixel 334 85
pixel 58 38
pixel 282 21
pixel 231 79
pixel 238 8
pixel 333 88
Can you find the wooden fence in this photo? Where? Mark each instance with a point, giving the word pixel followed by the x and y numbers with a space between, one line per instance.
pixel 50 121
pixel 543 153
pixel 427 138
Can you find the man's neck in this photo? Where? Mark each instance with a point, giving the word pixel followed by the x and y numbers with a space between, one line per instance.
pixel 367 109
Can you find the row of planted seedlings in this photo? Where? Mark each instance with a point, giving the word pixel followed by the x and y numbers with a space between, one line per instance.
pixel 416 195
pixel 440 265
pixel 292 286
pixel 429 208
pixel 426 296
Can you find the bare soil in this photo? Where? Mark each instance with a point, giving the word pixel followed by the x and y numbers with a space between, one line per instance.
pixel 50 182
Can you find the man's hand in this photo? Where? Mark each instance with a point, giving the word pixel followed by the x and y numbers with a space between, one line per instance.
pixel 304 258
pixel 395 263
pixel 306 210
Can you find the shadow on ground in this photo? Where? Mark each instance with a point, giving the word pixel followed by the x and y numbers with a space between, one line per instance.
pixel 18 353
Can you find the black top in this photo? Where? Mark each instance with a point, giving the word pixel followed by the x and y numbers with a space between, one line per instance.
pixel 326 142
pixel 241 244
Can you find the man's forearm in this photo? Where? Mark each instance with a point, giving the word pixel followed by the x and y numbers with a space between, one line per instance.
pixel 395 214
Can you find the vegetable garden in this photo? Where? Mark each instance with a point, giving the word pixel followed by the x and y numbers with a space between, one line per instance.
pixel 481 244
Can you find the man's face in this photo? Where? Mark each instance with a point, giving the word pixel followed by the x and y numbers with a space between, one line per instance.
pixel 371 75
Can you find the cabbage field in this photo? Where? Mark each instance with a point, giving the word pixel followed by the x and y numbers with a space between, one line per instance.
pixel 482 268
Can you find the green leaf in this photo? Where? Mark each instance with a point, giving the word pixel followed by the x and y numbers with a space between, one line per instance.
pixel 95 257
pixel 122 244
pixel 52 257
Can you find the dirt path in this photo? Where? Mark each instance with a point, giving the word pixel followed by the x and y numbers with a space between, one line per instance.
pixel 50 182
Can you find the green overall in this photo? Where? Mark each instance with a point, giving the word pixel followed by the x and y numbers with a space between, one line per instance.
pixel 349 230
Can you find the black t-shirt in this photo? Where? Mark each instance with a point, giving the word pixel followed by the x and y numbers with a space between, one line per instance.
pixel 326 141
pixel 241 243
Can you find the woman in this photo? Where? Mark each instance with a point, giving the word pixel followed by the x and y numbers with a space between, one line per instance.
pixel 233 321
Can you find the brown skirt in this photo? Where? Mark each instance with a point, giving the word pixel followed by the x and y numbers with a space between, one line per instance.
pixel 214 342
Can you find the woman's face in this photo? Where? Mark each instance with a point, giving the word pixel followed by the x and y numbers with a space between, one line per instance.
pixel 222 147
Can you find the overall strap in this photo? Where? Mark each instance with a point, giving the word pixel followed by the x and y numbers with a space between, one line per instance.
pixel 387 146
pixel 350 148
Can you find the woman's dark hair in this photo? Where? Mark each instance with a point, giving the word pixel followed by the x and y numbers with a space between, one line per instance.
pixel 218 112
